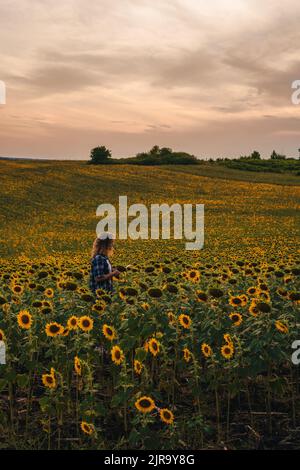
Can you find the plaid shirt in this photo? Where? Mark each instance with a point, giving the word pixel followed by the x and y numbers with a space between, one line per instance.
pixel 100 265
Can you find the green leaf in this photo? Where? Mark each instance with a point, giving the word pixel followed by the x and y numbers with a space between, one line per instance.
pixel 133 436
pixel 44 403
pixel 22 380
pixel 140 354
pixel 3 384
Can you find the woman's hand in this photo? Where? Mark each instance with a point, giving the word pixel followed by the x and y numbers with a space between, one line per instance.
pixel 116 273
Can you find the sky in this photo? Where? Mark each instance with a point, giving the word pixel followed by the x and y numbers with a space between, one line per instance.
pixel 212 78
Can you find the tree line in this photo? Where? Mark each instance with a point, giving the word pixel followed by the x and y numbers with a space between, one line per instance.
pixel 165 155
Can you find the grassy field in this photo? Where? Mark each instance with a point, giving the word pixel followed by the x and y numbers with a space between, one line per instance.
pixel 192 350
pixel 219 170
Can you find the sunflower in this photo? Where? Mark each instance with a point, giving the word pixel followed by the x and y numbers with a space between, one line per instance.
pixel 253 308
pixel 77 365
pixel 206 350
pixel 172 318
pixel 154 346
pixel 145 404
pixel 87 297
pixel 81 290
pixel 193 275
pixel 166 416
pixel 49 380
pixel 86 323
pixel 2 335
pixel 263 307
pixel 54 329
pixel 87 428
pixel 17 289
pixel 187 355
pixel 72 322
pixel 236 318
pixel 155 292
pixel 252 290
pixel 281 327
pixel 24 319
pixel 236 301
pixel 117 355
pixel 282 292
pixel 145 306
pixel 49 293
pixel 264 296
pixel 294 296
pixel 185 320
pixel 99 307
pixel 171 288
pixel 201 296
pixel 122 294
pixel 100 292
pixel 46 310
pixel 138 366
pixel 227 338
pixel 130 291
pixel 215 292
pixel 263 286
pixel 109 332
pixel 65 332
pixel 227 350
pixel 60 284
pixel 244 299
pixel 71 286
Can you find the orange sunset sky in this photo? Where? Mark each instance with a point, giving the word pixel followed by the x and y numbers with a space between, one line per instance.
pixel 209 77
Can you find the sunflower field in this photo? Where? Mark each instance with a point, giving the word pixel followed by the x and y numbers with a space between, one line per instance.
pixel 191 351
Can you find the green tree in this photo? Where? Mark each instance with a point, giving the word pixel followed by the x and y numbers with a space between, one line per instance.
pixel 100 155
pixel 277 156
pixel 165 151
pixel 255 155
pixel 155 150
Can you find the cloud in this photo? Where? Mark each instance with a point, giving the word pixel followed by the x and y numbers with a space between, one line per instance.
pixel 59 79
pixel 143 70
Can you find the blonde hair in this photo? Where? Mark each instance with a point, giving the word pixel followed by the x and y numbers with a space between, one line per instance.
pixel 102 245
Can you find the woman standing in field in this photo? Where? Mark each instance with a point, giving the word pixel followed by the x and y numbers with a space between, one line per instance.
pixel 101 269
